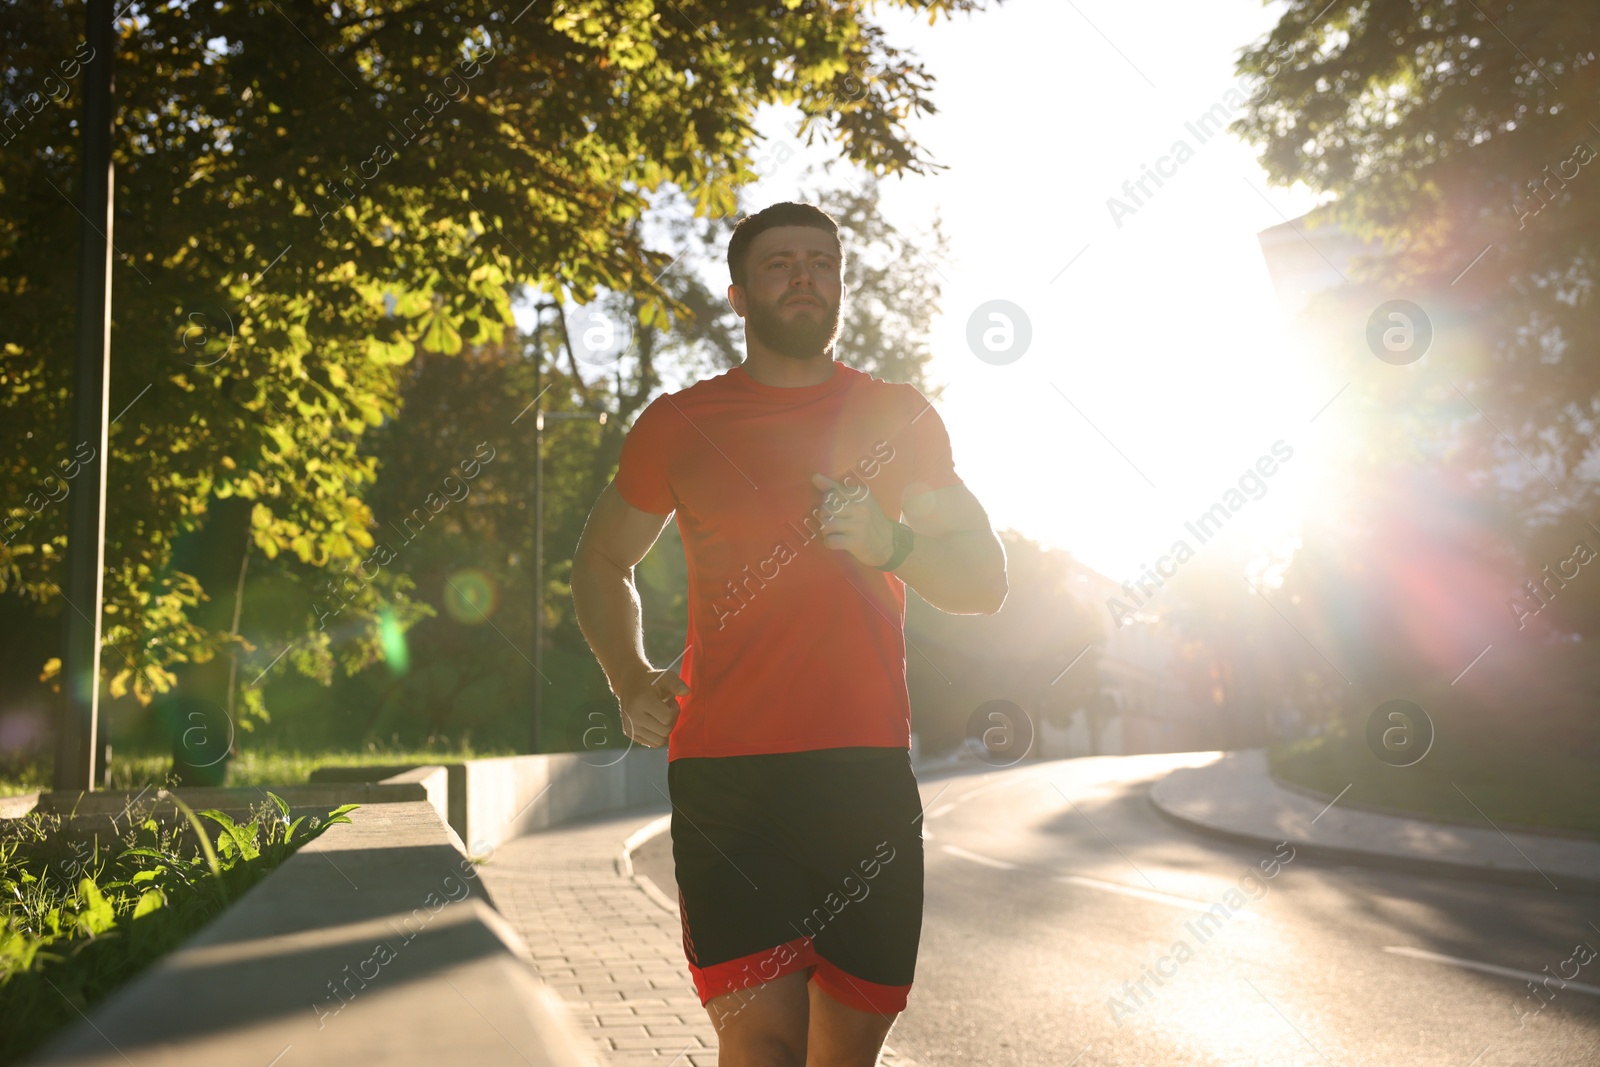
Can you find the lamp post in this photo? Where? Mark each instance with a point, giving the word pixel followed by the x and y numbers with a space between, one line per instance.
pixel 77 717
pixel 539 418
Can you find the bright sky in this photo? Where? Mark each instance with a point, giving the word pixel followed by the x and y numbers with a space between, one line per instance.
pixel 1157 372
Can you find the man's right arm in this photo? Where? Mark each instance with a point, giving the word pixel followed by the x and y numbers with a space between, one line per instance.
pixel 616 537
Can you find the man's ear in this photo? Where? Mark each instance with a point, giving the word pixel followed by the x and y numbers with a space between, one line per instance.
pixel 736 299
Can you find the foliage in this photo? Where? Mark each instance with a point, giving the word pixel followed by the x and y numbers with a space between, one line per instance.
pixel 1458 140
pixel 82 917
pixel 956 663
pixel 1547 787
pixel 256 765
pixel 469 665
pixel 306 196
pixel 1452 133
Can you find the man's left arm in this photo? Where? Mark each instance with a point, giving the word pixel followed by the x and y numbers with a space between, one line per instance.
pixel 956 562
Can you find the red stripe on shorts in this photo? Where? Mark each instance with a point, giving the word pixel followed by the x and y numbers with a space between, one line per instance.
pixel 750 971
pixel 858 993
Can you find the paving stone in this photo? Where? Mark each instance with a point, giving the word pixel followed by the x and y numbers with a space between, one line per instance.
pixel 610 951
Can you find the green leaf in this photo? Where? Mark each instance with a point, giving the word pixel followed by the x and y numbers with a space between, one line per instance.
pixel 95 914
pixel 144 851
pixel 150 900
pixel 439 335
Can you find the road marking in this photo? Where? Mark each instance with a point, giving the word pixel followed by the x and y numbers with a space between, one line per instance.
pixel 1159 898
pixel 975 858
pixel 1490 968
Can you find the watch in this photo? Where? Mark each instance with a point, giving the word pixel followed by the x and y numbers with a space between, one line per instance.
pixel 903 541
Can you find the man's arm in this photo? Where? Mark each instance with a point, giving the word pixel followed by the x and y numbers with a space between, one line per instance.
pixel 957 564
pixel 616 537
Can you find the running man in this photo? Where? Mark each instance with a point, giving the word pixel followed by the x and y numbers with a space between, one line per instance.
pixel 796 832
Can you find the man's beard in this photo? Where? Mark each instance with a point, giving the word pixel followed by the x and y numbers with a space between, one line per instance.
pixel 806 336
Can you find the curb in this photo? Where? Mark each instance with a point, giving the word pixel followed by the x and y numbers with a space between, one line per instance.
pixel 653 829
pixel 1383 861
pixel 1446 820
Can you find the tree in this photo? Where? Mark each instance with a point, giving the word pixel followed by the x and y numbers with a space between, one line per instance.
pixel 1462 138
pixel 957 663
pixel 467 668
pixel 307 194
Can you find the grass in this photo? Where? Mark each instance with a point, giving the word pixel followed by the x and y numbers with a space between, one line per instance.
pixel 1483 779
pixel 249 766
pixel 80 916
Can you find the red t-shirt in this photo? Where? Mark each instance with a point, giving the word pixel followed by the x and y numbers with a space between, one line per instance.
pixel 791 645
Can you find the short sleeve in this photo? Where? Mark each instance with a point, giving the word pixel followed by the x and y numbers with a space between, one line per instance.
pixel 642 469
pixel 932 461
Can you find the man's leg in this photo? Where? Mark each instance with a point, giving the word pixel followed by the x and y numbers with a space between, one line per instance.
pixel 842 1036
pixel 763 1026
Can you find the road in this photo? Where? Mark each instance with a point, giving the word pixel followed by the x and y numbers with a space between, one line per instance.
pixel 1054 888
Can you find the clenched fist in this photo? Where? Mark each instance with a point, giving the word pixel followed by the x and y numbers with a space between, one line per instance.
pixel 858 526
pixel 650 708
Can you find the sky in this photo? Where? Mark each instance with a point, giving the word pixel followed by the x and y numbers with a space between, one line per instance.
pixel 1158 370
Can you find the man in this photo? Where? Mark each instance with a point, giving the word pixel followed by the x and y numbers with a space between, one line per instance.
pixel 795 831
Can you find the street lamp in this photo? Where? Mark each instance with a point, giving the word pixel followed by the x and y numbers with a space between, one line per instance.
pixel 539 418
pixel 77 716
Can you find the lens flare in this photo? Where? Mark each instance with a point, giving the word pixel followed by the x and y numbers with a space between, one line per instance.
pixel 393 639
pixel 470 596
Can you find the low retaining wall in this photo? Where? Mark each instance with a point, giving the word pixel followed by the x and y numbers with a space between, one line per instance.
pixel 107 809
pixel 491 801
pixel 373 943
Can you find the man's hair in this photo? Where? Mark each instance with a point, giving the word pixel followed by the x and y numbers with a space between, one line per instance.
pixel 787 213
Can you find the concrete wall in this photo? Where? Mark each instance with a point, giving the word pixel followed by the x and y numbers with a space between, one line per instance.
pixel 374 943
pixel 491 801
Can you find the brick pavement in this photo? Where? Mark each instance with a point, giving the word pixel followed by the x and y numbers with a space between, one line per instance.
pixel 613 953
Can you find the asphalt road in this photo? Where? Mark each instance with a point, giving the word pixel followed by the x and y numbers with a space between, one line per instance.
pixel 1054 888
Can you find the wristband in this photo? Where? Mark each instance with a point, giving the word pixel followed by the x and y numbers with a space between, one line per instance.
pixel 903 542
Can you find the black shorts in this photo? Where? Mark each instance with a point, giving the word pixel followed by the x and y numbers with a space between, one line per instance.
pixel 800 861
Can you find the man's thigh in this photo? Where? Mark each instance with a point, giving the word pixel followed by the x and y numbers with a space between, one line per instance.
pixel 741 884
pixel 864 847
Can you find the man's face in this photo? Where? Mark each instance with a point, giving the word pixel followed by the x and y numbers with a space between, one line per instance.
pixel 792 291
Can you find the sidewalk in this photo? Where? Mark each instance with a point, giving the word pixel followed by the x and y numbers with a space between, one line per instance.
pixel 1236 798
pixel 613 953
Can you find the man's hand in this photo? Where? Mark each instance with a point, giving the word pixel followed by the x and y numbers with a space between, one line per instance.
pixel 649 709
pixel 857 526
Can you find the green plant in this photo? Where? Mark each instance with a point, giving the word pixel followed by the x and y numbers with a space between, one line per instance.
pixel 80 916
